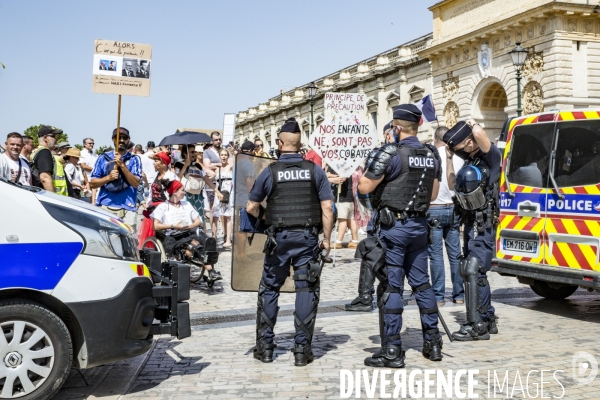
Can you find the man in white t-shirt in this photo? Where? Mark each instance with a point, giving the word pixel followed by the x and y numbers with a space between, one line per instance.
pixel 148 163
pixel 87 162
pixel 18 168
pixel 447 231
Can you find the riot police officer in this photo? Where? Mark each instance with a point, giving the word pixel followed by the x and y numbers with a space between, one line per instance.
pixel 366 279
pixel 299 205
pixel 404 177
pixel 476 187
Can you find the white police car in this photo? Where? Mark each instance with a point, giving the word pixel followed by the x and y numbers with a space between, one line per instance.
pixel 75 292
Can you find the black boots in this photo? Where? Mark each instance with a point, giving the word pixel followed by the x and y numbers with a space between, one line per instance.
pixel 432 349
pixel 389 356
pixel 364 301
pixel 303 355
pixel 264 351
pixel 473 331
pixel 492 326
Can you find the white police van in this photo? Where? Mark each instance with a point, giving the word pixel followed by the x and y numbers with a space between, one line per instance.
pixel 75 292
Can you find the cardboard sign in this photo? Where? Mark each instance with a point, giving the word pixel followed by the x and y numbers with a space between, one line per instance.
pixel 121 68
pixel 345 137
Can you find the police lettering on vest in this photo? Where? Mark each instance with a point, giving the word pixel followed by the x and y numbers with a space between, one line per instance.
pixel 294 175
pixel 420 162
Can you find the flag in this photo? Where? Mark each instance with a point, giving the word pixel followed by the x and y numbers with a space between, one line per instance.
pixel 427 108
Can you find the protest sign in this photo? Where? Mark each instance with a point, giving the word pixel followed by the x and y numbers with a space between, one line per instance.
pixel 228 128
pixel 345 137
pixel 121 68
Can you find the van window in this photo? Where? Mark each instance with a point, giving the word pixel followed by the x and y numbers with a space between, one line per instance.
pixel 578 153
pixel 530 154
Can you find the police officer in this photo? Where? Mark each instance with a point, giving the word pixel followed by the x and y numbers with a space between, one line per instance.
pixel 366 279
pixel 299 205
pixel 476 187
pixel 405 176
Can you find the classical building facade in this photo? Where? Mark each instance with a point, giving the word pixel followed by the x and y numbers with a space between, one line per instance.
pixel 466 66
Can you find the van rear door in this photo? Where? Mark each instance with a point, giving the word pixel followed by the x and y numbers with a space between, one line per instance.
pixel 573 214
pixel 523 193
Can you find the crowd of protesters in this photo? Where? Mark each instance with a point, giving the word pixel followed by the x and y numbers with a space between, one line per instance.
pixel 133 180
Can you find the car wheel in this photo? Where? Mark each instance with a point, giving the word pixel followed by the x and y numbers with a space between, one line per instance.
pixel 36 351
pixel 553 291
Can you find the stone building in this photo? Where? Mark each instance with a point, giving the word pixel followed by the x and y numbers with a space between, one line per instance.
pixel 466 66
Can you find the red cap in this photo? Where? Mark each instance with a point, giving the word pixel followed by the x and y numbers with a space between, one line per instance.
pixel 164 157
pixel 175 185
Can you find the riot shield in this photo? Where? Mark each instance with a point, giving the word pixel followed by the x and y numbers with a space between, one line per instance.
pixel 247 260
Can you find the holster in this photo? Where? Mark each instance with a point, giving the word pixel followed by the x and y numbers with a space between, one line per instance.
pixel 387 217
pixel 270 243
pixel 315 266
pixel 431 225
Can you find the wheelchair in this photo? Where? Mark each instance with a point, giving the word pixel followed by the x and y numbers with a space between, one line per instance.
pixel 202 254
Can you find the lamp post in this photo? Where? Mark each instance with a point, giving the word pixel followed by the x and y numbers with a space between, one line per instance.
pixel 311 90
pixel 518 56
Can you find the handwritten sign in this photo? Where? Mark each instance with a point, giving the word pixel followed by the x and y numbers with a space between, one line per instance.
pixel 121 68
pixel 345 137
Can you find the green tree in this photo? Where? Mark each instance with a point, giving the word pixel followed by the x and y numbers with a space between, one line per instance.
pixel 79 146
pixel 101 150
pixel 32 132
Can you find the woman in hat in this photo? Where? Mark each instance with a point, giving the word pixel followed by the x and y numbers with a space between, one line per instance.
pixel 178 221
pixel 78 180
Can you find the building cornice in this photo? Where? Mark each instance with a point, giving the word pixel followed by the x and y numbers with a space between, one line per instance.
pixel 382 64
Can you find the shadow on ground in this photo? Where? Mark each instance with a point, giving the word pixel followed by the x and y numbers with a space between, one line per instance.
pixel 322 343
pixel 164 363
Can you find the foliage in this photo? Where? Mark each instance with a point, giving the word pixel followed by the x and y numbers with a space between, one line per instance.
pixel 3 67
pixel 79 146
pixel 101 150
pixel 33 130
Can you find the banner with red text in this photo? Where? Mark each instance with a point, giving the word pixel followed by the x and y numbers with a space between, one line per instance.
pixel 345 137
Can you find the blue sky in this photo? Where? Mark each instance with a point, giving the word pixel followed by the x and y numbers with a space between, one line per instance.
pixel 209 57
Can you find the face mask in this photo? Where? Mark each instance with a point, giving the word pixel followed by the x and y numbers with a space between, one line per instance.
pixel 462 154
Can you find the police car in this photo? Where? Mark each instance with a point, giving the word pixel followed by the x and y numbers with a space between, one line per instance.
pixel 75 292
pixel 549 230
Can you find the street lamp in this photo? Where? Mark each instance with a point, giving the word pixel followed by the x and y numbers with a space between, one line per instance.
pixel 312 91
pixel 518 56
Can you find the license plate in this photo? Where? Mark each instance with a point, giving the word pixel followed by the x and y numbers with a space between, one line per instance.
pixel 524 246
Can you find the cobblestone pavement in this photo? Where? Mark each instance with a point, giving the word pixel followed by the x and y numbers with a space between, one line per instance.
pixel 217 363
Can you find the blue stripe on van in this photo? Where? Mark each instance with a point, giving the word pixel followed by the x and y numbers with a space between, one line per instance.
pixel 37 266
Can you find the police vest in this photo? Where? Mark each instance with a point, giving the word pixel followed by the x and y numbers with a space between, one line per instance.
pixel 294 199
pixel 59 179
pixel 411 190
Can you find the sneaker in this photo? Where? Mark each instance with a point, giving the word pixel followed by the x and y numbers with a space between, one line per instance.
pixel 214 275
pixel 460 301
pixel 353 244
pixel 337 245
pixel 361 232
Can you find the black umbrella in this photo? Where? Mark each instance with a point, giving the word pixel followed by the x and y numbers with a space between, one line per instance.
pixel 185 137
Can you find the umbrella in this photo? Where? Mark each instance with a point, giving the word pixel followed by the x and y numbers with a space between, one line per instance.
pixel 185 137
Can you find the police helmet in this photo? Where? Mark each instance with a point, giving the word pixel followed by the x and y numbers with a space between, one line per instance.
pixel 469 186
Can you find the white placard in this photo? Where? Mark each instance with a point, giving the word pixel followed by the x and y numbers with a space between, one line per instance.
pixel 345 137
pixel 228 129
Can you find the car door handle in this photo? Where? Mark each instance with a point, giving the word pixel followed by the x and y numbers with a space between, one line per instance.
pixel 526 207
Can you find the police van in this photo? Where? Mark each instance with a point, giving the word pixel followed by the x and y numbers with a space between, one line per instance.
pixel 75 291
pixel 549 230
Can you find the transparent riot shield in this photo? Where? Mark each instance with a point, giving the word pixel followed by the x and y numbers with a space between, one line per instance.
pixel 247 260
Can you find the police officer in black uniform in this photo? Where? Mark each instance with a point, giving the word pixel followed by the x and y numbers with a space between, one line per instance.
pixel 476 187
pixel 404 177
pixel 299 205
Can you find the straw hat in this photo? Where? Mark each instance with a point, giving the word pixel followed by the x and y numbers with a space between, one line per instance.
pixel 72 152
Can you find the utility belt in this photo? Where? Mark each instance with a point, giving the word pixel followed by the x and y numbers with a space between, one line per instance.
pixel 388 218
pixel 271 243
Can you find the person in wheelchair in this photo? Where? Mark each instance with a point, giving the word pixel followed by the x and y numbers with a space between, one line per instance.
pixel 176 224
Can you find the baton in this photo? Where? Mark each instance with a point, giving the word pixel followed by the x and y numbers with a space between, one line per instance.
pixel 445 326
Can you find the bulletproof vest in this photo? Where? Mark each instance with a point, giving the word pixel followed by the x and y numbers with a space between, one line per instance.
pixel 411 190
pixel 294 199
